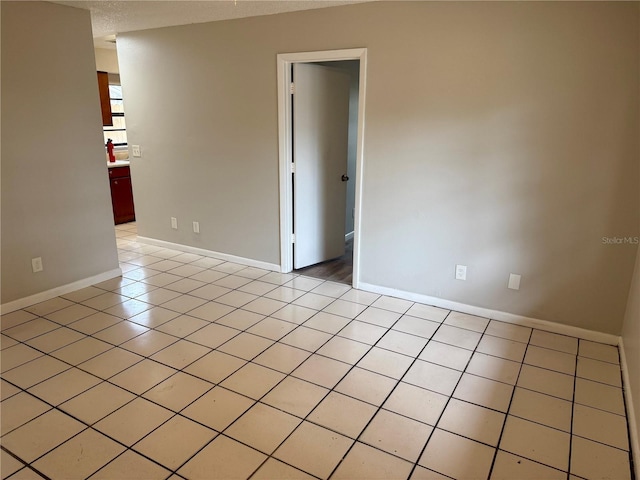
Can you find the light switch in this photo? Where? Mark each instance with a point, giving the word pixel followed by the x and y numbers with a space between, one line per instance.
pixel 135 150
pixel 514 282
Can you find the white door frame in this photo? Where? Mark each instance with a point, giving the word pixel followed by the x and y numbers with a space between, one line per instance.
pixel 284 62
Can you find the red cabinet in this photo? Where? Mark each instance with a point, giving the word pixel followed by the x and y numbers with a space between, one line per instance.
pixel 121 195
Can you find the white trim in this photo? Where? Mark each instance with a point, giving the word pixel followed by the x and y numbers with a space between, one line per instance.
pixel 348 236
pixel 631 413
pixel 284 61
pixel 56 292
pixel 496 315
pixel 209 253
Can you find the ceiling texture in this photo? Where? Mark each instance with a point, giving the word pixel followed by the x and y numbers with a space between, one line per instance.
pixel 109 17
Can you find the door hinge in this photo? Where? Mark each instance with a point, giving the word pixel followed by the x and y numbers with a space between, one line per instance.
pixel 292 88
pixel 293 168
pixel 293 238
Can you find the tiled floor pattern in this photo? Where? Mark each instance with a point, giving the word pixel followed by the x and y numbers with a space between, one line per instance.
pixel 190 367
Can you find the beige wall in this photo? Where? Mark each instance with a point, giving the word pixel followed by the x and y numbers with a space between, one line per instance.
pixel 55 194
pixel 107 60
pixel 501 136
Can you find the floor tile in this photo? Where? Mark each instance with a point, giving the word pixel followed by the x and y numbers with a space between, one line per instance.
pixel 8 464
pixel 142 376
pixel 345 309
pixel 416 326
pixel 402 343
pixel 294 313
pixel 282 358
pixel 393 304
pixel 48 306
pixel 362 332
pixel 182 326
pixel 359 296
pixel 501 347
pixel 94 323
pixel 35 371
pixel 246 345
pixel 213 335
pixel 385 362
pixel 184 304
pixel 128 308
pixel 30 329
pixel 223 458
pixel 327 322
pixel 133 421
pixel 42 434
pixel 209 291
pixel 364 462
pixel 157 296
pixel 97 402
pixel 444 451
pixel 416 403
pixel 593 460
pixel 215 366
pixel 64 386
pixel 252 272
pixel 70 314
pixel 397 435
pixel 421 473
pixel 6 342
pixel 9 320
pixel 17 355
pixel 264 306
pixel 263 427
pixel 508 467
pixel 446 355
pixel 342 414
pixel 218 408
pixel 209 276
pixel 314 301
pixel 7 390
pixel 599 395
pixel 79 457
pixel 104 301
pixel 306 338
pixel 484 392
pixel 83 294
pixel 175 441
pixel 81 350
pixel 55 339
pixel 551 360
pixel 313 449
pixel 494 368
pixel 236 298
pixel 295 396
pixel 253 380
pixel 322 371
pixel 343 349
pixel 367 386
pixel 379 317
pixel 539 408
pixel 600 426
pixel 303 283
pixel 547 382
pixel 178 391
pixel 269 290
pixel 110 363
pixel 331 289
pixel 240 319
pixel 433 377
pixel 469 322
pixel 536 442
pixel 131 466
pixel 472 421
pixel 121 332
pixel 598 351
pixel 149 343
pixel 273 468
pixel 554 341
pixel 508 331
pixel 458 337
pixel 162 280
pixel 598 371
pixel 427 312
pixel 210 311
pixel 20 409
pixel 271 328
pixel 180 354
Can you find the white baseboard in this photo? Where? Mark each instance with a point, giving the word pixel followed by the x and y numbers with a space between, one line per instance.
pixel 348 236
pixel 494 314
pixel 56 292
pixel 209 253
pixel 631 413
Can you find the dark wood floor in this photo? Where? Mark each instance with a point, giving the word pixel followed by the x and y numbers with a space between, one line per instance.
pixel 337 270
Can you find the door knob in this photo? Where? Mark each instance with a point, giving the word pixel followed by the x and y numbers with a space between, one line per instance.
pixel 345 178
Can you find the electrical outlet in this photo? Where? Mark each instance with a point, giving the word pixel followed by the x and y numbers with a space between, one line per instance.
pixel 36 264
pixel 135 150
pixel 196 227
pixel 461 272
pixel 514 281
pixel 174 223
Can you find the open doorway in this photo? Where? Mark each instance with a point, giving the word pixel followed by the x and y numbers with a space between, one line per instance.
pixel 321 161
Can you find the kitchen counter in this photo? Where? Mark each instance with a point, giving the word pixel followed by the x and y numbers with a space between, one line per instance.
pixel 118 163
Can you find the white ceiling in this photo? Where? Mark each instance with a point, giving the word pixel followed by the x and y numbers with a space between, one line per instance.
pixel 109 17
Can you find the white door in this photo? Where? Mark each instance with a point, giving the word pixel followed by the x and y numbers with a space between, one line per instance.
pixel 320 136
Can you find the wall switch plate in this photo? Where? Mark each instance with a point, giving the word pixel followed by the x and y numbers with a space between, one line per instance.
pixel 514 281
pixel 461 272
pixel 174 223
pixel 36 264
pixel 135 150
pixel 196 227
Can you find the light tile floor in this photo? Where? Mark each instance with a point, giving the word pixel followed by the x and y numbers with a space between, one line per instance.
pixel 191 367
